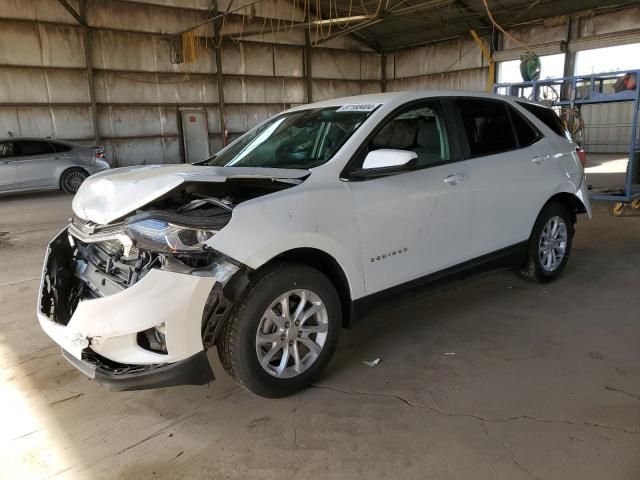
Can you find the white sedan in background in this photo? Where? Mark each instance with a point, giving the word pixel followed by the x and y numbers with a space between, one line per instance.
pixel 46 164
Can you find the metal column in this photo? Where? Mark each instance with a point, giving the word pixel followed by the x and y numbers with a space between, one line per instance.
pixel 217 42
pixel 307 66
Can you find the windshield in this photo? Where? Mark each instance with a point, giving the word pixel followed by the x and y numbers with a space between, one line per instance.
pixel 302 139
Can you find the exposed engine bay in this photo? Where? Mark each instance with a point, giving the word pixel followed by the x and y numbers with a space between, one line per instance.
pixel 169 233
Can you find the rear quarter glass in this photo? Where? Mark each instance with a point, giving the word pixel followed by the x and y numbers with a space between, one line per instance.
pixel 548 117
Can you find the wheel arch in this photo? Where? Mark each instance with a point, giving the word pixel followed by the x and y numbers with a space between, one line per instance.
pixel 330 267
pixel 570 201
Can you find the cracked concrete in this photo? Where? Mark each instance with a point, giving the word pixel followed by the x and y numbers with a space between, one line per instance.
pixel 66 399
pixel 544 384
pixel 624 392
pixel 412 403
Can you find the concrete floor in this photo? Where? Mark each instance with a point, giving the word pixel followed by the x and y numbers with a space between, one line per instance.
pixel 544 383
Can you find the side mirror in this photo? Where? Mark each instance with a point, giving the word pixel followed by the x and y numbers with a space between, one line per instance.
pixel 386 161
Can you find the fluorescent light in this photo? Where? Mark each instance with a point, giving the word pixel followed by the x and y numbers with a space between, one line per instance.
pixel 353 18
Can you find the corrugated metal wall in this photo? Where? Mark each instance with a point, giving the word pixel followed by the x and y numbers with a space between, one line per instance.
pixel 607 127
pixel 44 82
pixel 454 65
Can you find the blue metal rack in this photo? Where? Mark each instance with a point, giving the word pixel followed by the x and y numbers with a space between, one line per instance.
pixel 583 90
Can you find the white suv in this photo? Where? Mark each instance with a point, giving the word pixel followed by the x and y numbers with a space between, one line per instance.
pixel 298 228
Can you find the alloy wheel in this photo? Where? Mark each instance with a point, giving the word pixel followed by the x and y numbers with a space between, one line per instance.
pixel 292 333
pixel 552 246
pixel 73 180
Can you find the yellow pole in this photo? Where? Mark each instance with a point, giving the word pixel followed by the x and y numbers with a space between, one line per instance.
pixel 486 54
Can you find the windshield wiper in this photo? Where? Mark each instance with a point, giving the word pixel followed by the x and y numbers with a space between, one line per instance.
pixel 206 160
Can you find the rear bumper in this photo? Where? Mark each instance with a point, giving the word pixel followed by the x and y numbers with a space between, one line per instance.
pixel 194 370
pixel 583 195
pixel 98 166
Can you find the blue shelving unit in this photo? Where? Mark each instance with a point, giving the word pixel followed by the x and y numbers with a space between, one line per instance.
pixel 583 90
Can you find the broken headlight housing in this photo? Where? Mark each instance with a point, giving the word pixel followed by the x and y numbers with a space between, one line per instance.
pixel 157 234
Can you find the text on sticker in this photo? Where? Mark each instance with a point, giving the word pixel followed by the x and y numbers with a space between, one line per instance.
pixel 362 107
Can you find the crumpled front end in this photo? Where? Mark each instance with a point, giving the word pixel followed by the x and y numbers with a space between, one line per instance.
pixel 131 319
pixel 132 289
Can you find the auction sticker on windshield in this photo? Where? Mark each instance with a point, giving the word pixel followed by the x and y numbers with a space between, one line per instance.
pixel 361 107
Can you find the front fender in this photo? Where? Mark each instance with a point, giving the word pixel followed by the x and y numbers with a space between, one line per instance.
pixel 305 216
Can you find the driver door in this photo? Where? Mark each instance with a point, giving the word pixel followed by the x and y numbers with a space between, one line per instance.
pixel 416 222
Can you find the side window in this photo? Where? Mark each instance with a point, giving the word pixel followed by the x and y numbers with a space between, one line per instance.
pixel 60 147
pixel 421 129
pixel 525 132
pixel 32 147
pixel 548 117
pixel 6 149
pixel 487 126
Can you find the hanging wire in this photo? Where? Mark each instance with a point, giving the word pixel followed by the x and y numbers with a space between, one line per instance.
pixel 278 17
pixel 366 12
pixel 319 20
pixel 209 20
pixel 294 9
pixel 189 47
pixel 175 49
pixel 218 33
pixel 348 22
pixel 239 37
pixel 186 46
pixel 499 27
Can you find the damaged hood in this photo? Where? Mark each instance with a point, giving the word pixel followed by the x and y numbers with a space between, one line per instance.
pixel 110 195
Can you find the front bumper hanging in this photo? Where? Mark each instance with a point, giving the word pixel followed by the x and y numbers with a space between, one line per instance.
pixel 195 370
pixel 99 335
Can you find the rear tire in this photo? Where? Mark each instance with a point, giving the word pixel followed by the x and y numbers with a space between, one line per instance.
pixel 549 244
pixel 71 180
pixel 273 346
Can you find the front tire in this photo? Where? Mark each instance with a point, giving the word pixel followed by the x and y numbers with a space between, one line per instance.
pixel 549 244
pixel 282 333
pixel 71 180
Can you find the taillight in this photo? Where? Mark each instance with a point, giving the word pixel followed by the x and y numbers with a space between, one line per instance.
pixel 99 155
pixel 583 156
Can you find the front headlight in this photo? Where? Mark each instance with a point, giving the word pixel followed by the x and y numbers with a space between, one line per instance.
pixel 159 235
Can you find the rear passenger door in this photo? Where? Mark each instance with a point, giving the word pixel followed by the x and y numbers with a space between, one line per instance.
pixel 416 222
pixel 510 184
pixel 35 162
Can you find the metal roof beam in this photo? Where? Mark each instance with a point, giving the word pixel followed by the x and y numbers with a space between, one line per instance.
pixel 395 11
pixel 470 10
pixel 73 13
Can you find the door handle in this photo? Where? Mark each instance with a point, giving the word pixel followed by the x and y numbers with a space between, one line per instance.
pixel 455 178
pixel 539 159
